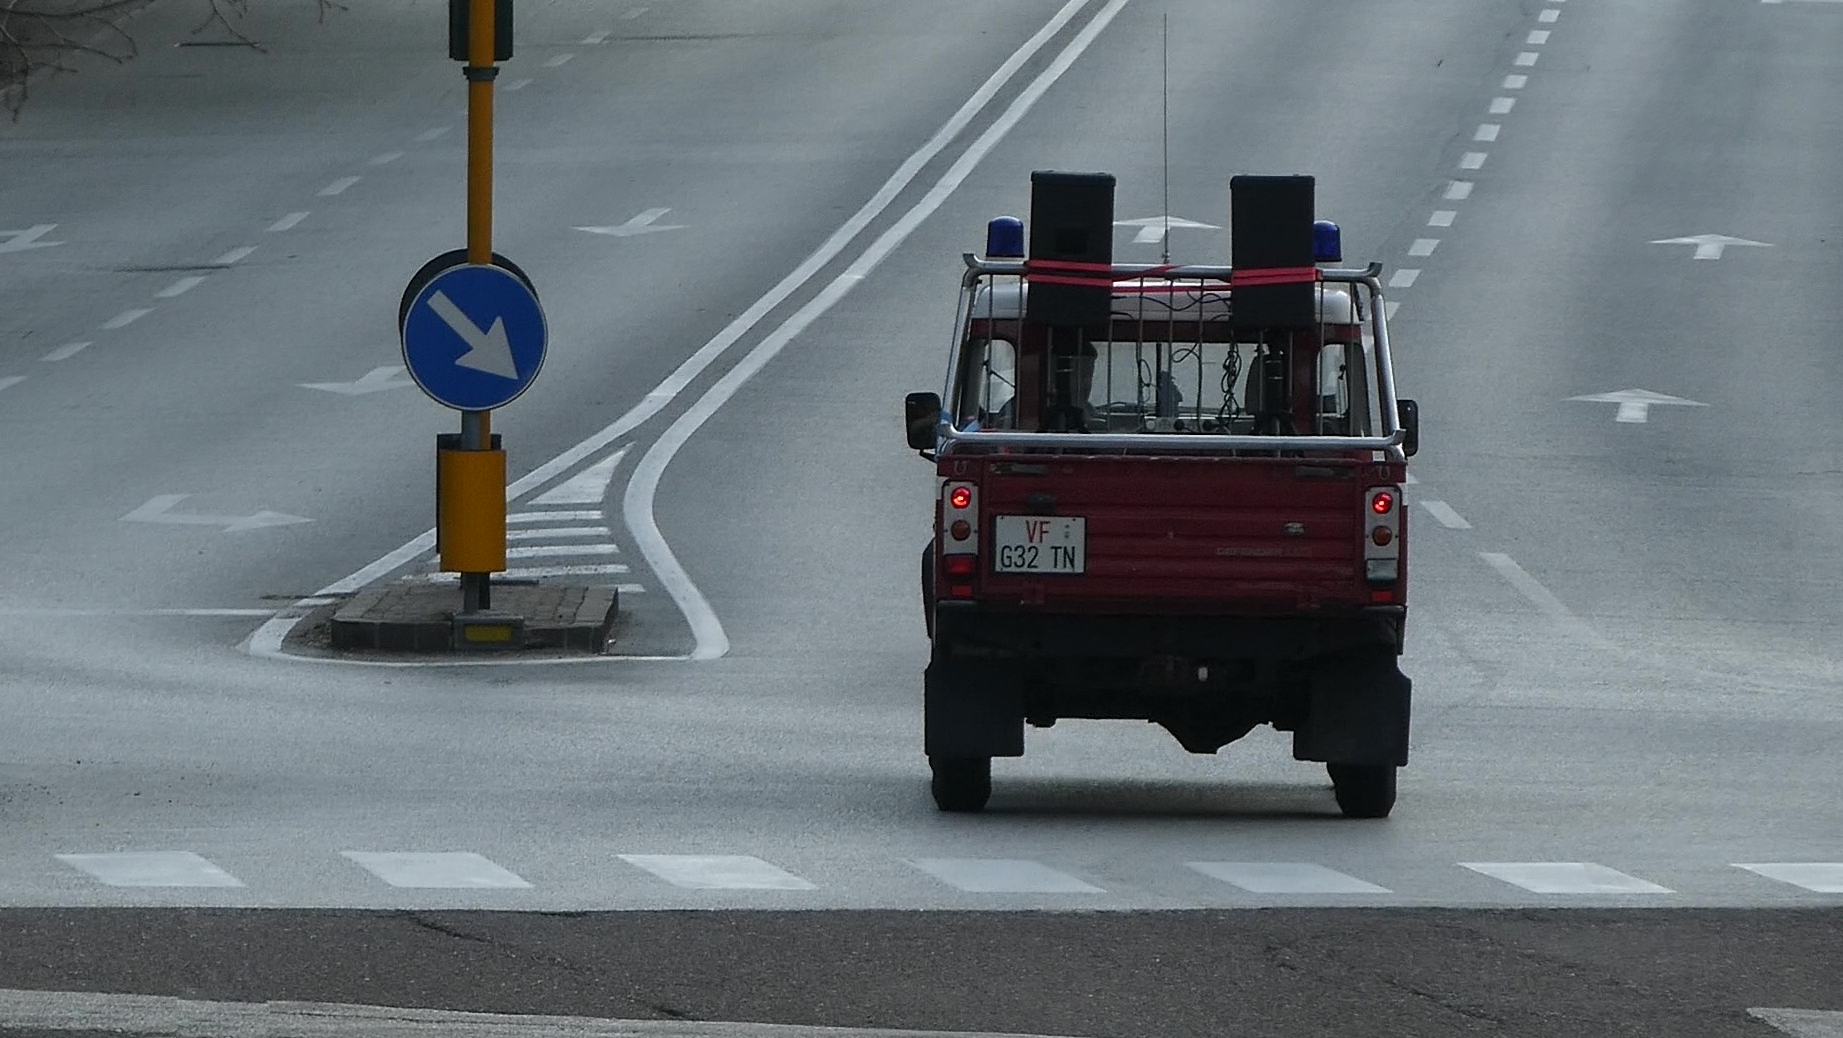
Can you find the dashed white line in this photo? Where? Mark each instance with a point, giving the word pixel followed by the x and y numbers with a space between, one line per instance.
pixel 518 84
pixel 1541 597
pixel 287 223
pixel 236 255
pixel 718 872
pixel 1444 513
pixel 1473 160
pixel 1549 16
pixel 1423 246
pixel 1502 105
pixel 428 135
pixel 437 870
pixel 597 37
pixel 1515 82
pixel 1565 877
pixel 180 287
pixel 1412 479
pixel 65 352
pixel 1458 190
pixel 1442 218
pixel 337 187
pixel 11 380
pixel 1486 132
pixel 386 159
pixel 1537 37
pixel 1404 278
pixel 126 318
pixel 1391 308
pixel 558 61
pixel 1527 58
pixel 635 13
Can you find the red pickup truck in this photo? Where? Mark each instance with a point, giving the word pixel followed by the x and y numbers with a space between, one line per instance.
pixel 1163 505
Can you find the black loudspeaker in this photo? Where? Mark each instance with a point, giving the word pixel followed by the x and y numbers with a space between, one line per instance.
pixel 460 18
pixel 1271 249
pixel 1071 249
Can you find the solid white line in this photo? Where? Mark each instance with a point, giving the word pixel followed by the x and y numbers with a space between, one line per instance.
pixel 287 223
pixel 712 642
pixel 11 380
pixel 126 318
pixel 544 517
pixel 1526 59
pixel 1548 16
pixel 1515 82
pixel 558 61
pixel 180 287
pixel 386 159
pixel 428 135
pixel 1458 190
pixel 1541 597
pixel 1442 218
pixel 1472 160
pixel 236 255
pixel 637 506
pixel 558 531
pixel 1502 105
pixel 1405 278
pixel 338 187
pixel 1423 246
pixel 65 352
pixel 136 612
pixel 1538 37
pixel 1487 132
pixel 1447 517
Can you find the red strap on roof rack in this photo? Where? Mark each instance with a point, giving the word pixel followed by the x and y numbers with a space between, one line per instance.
pixel 1275 276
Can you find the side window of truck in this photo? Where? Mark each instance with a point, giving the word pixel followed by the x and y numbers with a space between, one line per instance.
pixel 988 385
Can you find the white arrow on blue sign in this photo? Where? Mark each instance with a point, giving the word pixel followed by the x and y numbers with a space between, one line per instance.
pixel 474 338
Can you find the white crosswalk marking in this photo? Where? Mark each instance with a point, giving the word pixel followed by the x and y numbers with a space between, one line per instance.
pixel 441 870
pixel 1819 876
pixel 152 869
pixel 1276 877
pixel 1565 877
pixel 559 517
pixel 1002 876
pixel 557 531
pixel 717 872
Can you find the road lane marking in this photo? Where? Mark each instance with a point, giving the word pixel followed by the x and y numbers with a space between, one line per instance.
pixel 65 352
pixel 1486 132
pixel 1515 82
pixel 1268 877
pixel 152 869
pixel 1445 515
pixel 430 134
pixel 717 872
pixel 386 159
pixel 1458 190
pixel 1502 105
pixel 558 531
pixel 1526 59
pixel 234 256
pixel 11 380
pixel 1819 877
pixel 1442 218
pixel 635 13
pixel 1541 597
pixel 558 61
pixel 1537 37
pixel 601 569
pixel 1549 15
pixel 545 517
pixel 1002 876
pixel 710 639
pixel 588 487
pixel 1565 877
pixel 598 37
pixel 1803 1023
pixel 180 287
pixel 287 223
pixel 440 870
pixel 562 550
pixel 338 187
pixel 1405 278
pixel 1423 246
pixel 519 84
pixel 1472 160
pixel 1391 308
pixel 126 318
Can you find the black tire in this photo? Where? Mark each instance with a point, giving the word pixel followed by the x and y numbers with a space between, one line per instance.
pixel 961 783
pixel 1363 790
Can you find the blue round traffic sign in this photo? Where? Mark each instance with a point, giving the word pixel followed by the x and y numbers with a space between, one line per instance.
pixel 474 337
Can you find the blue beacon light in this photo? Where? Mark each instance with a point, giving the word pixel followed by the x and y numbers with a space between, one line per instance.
pixel 1004 238
pixel 1327 242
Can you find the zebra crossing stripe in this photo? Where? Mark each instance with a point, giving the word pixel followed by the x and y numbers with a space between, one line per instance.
pixel 1002 876
pixel 560 517
pixel 1273 877
pixel 717 872
pixel 557 531
pixel 441 870
pixel 1565 877
pixel 152 869
pixel 1820 877
pixel 562 551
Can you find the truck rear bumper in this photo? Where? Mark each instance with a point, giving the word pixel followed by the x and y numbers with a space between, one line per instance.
pixel 972 630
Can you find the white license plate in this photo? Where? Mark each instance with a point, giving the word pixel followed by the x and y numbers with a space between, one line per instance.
pixel 1040 544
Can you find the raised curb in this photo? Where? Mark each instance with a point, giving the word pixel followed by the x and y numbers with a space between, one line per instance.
pixel 418 616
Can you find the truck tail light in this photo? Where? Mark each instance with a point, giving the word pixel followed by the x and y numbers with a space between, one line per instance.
pixel 958 538
pixel 1382 530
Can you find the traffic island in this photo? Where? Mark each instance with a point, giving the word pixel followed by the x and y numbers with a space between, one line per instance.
pixel 423 617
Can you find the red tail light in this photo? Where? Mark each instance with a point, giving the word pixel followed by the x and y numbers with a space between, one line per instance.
pixel 962 565
pixel 961 497
pixel 1382 503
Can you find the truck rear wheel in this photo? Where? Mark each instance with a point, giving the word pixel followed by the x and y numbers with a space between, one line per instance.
pixel 961 783
pixel 1363 790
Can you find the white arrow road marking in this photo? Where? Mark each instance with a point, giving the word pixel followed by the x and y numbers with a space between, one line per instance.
pixel 645 223
pixel 373 381
pixel 588 487
pixel 1635 404
pixel 1152 228
pixel 489 351
pixel 1803 1023
pixel 1710 246
pixel 160 510
pixel 20 241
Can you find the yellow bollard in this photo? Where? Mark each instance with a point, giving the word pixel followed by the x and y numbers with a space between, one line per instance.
pixel 470 508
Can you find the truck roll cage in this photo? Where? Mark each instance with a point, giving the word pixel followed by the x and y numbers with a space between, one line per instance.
pixel 1195 297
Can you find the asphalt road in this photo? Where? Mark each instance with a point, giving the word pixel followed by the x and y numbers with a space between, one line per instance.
pixel 1625 684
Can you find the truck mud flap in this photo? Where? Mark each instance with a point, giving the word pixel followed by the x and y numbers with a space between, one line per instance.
pixel 973 708
pixel 1357 712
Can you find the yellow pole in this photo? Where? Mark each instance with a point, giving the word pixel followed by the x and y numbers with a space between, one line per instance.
pixel 480 132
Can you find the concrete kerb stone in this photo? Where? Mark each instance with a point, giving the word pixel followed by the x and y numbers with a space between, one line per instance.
pixel 418 617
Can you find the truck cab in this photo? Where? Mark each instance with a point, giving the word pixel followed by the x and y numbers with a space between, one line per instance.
pixel 1178 501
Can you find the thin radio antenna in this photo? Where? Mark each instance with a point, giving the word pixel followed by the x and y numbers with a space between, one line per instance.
pixel 1167 138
